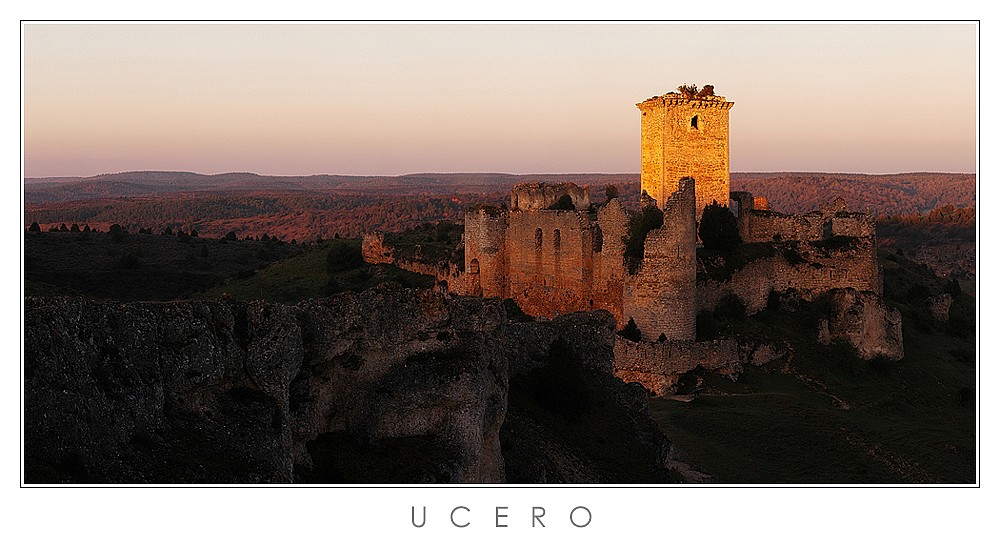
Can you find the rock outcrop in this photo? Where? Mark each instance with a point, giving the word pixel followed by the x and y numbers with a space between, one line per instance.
pixel 940 306
pixel 219 392
pixel 863 319
pixel 385 386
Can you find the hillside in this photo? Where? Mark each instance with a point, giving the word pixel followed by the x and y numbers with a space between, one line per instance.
pixel 827 416
pixel 322 206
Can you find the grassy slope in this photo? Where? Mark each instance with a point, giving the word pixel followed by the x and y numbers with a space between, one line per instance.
pixel 906 421
pixel 305 276
pixel 137 266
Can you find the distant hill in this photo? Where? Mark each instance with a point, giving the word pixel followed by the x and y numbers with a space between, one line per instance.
pixel 307 207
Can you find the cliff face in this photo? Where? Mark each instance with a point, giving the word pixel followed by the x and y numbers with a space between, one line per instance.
pixel 218 392
pixel 385 386
pixel 865 320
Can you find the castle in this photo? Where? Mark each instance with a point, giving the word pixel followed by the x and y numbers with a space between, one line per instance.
pixel 554 252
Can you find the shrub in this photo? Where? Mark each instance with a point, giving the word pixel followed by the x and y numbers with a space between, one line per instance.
pixel 647 219
pixel 718 228
pixel 631 331
pixel 343 255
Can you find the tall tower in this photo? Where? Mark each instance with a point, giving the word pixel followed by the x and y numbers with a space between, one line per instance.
pixel 684 137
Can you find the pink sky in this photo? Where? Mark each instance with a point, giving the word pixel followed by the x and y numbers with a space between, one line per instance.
pixel 393 99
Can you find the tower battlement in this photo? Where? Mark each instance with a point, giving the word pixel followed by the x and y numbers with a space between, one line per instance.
pixel 686 137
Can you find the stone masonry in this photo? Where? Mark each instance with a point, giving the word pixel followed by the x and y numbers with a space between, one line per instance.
pixel 686 138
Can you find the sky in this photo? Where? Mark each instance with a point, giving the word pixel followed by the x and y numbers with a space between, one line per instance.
pixel 390 99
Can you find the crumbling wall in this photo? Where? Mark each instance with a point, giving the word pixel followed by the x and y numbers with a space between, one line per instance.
pixel 759 224
pixel 549 262
pixel 659 366
pixel 814 271
pixel 660 296
pixel 534 195
pixel 485 253
pixel 374 250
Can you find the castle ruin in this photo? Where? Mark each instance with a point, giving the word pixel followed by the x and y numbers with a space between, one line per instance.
pixel 554 252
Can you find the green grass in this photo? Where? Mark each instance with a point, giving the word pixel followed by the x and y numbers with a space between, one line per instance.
pixel 307 276
pixel 911 421
pixel 132 267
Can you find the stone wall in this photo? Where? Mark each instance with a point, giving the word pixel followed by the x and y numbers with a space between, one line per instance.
pixel 485 253
pixel 549 262
pixel 686 138
pixel 659 366
pixel 534 195
pixel 660 296
pixel 374 250
pixel 815 271
pixel 759 224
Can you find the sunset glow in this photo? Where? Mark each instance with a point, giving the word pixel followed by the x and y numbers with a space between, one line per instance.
pixel 393 99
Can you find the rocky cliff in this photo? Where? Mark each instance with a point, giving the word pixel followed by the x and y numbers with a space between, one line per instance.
pixel 386 386
pixel 863 319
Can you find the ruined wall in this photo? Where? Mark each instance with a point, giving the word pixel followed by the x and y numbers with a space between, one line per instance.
pixel 485 253
pixel 549 262
pixel 374 250
pixel 814 271
pixel 768 226
pixel 533 195
pixel 759 224
pixel 661 295
pixel 686 138
pixel 607 287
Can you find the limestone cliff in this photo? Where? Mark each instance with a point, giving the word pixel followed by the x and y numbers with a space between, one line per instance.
pixel 214 392
pixel 863 319
pixel 386 386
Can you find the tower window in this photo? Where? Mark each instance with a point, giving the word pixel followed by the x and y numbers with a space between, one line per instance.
pixel 538 238
pixel 557 239
pixel 694 122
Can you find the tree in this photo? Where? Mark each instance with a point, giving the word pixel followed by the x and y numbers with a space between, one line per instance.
pixel 647 219
pixel 74 228
pixel 231 236
pixel 718 229
pixel 610 192
pixel 34 228
pixel 630 331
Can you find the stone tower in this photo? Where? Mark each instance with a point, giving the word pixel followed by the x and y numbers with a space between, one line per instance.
pixel 661 296
pixel 686 137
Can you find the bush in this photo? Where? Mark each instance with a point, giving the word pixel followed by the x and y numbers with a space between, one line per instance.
pixel 718 228
pixel 34 228
pixel 128 260
pixel 647 219
pixel 631 331
pixel 343 255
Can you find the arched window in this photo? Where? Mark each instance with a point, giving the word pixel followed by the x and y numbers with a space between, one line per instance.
pixel 556 239
pixel 538 238
pixel 694 122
